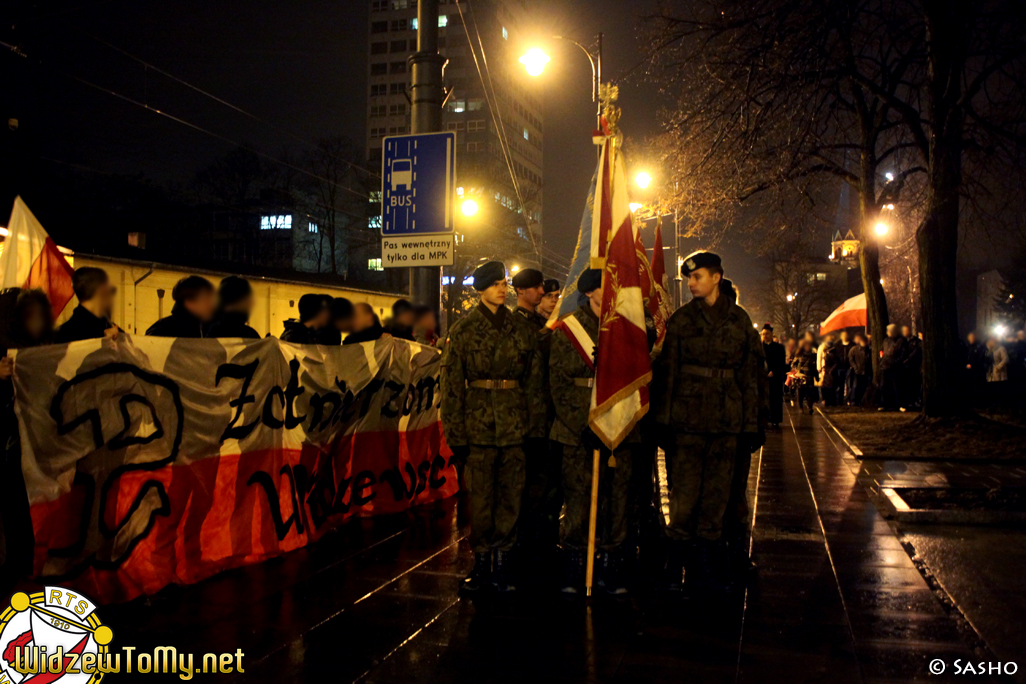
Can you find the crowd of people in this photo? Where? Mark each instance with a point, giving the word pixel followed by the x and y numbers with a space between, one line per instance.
pixel 515 401
pixel 837 370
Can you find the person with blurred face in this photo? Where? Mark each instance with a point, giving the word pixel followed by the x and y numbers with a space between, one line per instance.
pixel 91 318
pixel 365 324
pixel 401 323
pixel 425 325
pixel 235 305
pixel 195 306
pixel 314 314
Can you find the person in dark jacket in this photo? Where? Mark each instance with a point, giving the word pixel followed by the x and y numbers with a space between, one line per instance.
pixel 842 374
pixel 366 325
pixel 29 324
pixel 776 368
pixel 341 322
pixel 861 360
pixel 892 361
pixel 977 365
pixel 912 370
pixel 195 304
pixel 805 363
pixel 91 318
pixel 401 323
pixel 314 314
pixel 235 304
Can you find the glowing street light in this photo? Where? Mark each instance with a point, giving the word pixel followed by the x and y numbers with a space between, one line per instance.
pixel 790 298
pixel 534 61
pixel 881 228
pixel 634 206
pixel 469 207
pixel 514 269
pixel 643 180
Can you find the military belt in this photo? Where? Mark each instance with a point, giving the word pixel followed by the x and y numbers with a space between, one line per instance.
pixel 708 372
pixel 584 382
pixel 494 384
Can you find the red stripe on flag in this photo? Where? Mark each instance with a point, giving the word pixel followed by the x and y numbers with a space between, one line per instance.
pixel 51 273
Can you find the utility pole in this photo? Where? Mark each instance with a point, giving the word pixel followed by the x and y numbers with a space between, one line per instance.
pixel 426 97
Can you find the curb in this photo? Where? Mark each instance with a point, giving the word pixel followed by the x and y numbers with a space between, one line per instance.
pixel 855 451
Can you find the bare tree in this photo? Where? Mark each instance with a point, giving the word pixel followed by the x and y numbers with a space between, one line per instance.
pixel 338 198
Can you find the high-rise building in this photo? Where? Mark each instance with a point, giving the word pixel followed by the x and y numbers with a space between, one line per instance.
pixel 507 114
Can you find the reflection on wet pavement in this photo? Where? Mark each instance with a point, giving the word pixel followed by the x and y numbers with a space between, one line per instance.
pixel 835 598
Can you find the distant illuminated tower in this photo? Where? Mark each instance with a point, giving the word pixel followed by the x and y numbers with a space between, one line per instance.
pixel 844 249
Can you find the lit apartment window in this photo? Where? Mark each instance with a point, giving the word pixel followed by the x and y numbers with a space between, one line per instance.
pixel 312 227
pixel 374 265
pixel 443 21
pixel 505 33
pixel 374 196
pixel 526 136
pixel 279 222
pixel 413 23
pixel 374 223
pixel 458 106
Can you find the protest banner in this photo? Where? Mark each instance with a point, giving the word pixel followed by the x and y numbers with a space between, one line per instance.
pixel 151 461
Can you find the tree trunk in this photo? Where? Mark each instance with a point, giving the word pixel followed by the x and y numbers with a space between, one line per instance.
pixel 937 237
pixel 869 263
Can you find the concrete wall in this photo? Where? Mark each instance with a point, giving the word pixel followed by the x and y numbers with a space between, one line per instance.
pixel 138 306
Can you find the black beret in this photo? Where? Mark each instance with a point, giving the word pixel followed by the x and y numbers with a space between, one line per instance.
pixel 487 273
pixel 697 260
pixel 551 285
pixel 401 306
pixel 527 278
pixel 310 305
pixel 589 280
pixel 233 290
pixel 768 327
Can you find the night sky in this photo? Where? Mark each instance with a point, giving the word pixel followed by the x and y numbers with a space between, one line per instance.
pixel 298 72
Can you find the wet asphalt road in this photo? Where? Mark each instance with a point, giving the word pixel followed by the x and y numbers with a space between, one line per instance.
pixel 836 599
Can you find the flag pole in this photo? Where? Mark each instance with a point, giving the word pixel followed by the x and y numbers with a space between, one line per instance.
pixel 592 518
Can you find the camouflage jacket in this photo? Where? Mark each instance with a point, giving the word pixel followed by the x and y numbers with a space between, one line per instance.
pixel 572 400
pixel 483 346
pixel 707 378
pixel 537 323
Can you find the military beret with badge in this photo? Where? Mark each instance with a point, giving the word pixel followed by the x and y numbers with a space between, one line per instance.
pixel 487 274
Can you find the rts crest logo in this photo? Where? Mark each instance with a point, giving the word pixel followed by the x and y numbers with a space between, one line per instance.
pixel 52 636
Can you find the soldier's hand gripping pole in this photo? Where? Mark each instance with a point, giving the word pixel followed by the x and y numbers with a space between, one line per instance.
pixel 592 518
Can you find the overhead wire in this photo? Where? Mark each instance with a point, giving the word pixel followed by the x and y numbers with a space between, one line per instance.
pixel 224 102
pixel 496 120
pixel 189 124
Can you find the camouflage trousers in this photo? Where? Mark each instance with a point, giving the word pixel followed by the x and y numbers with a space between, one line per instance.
pixel 614 490
pixel 736 518
pixel 494 477
pixel 702 466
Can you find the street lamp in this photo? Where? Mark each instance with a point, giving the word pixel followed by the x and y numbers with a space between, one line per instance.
pixel 881 228
pixel 469 207
pixel 643 180
pixel 535 59
pixel 790 298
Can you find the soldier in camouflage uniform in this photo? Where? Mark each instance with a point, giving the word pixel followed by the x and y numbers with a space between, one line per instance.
pixel 571 378
pixel 705 396
pixel 530 289
pixel 491 369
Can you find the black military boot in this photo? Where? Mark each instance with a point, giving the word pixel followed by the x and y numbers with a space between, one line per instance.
pixel 611 573
pixel 481 575
pixel 572 582
pixel 502 575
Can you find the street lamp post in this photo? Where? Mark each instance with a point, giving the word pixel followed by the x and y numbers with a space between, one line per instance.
pixel 426 97
pixel 535 60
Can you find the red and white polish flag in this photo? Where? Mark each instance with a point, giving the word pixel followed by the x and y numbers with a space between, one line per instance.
pixel 31 259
